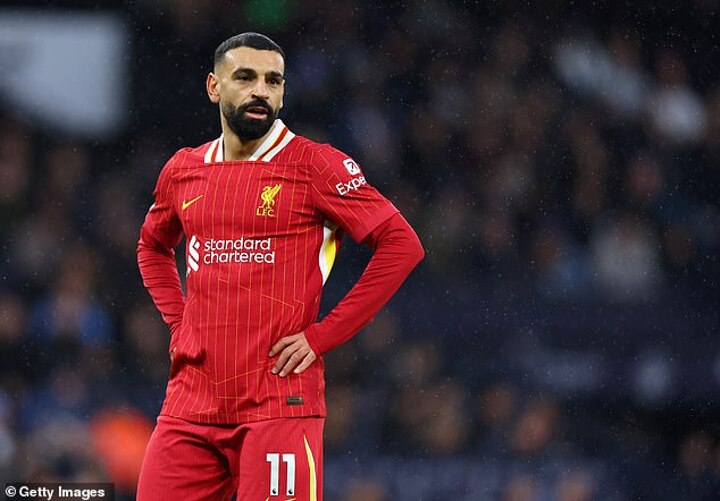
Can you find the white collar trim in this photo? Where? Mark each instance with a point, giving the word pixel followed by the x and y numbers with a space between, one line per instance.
pixel 278 137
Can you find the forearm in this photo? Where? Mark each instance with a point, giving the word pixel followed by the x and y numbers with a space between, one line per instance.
pixel 397 250
pixel 159 272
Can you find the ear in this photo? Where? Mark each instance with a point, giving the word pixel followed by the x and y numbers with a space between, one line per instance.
pixel 211 86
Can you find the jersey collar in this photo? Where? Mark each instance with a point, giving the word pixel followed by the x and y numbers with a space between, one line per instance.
pixel 278 137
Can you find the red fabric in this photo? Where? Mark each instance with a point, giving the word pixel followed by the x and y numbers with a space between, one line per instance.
pixel 255 233
pixel 160 234
pixel 397 250
pixel 158 268
pixel 195 462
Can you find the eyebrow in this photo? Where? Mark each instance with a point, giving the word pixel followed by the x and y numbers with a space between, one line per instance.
pixel 251 71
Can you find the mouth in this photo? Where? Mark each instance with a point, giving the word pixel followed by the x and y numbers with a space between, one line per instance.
pixel 257 112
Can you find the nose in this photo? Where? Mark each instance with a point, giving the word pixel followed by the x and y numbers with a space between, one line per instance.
pixel 261 89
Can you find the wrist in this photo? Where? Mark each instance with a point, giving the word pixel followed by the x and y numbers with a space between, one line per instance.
pixel 312 335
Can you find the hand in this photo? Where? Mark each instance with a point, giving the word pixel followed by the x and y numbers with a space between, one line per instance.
pixel 295 354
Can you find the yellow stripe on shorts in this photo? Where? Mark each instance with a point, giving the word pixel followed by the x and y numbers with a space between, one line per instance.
pixel 313 474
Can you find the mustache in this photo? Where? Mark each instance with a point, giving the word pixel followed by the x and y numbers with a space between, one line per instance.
pixel 256 103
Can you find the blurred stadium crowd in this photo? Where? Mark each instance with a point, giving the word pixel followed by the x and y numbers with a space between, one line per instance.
pixel 560 165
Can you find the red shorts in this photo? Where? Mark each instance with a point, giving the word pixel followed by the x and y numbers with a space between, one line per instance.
pixel 273 460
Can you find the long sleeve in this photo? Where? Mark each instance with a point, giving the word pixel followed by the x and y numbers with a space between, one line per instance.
pixel 159 272
pixel 160 234
pixel 396 251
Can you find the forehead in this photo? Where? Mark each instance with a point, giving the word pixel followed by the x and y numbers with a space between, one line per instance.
pixel 262 61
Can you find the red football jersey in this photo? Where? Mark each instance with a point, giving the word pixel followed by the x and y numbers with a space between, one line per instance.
pixel 261 237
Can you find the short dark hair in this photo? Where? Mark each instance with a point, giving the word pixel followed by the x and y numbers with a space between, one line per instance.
pixel 249 39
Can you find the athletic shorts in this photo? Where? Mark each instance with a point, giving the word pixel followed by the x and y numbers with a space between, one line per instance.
pixel 273 460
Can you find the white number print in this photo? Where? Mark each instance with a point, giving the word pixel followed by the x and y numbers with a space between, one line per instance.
pixel 274 459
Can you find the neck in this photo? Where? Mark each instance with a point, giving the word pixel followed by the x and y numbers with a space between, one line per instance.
pixel 235 148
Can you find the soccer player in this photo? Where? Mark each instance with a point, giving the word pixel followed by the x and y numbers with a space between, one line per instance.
pixel 262 211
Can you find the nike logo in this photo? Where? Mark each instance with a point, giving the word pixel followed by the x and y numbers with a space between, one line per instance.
pixel 188 203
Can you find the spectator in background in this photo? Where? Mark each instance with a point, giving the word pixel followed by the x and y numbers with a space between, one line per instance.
pixel 676 111
pixel 574 486
pixel 626 261
pixel 521 488
pixel 15 173
pixel 365 490
pixel 70 310
pixel 496 408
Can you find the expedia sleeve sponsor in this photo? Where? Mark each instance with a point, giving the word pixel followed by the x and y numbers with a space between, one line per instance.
pixel 345 196
pixel 353 185
pixel 345 187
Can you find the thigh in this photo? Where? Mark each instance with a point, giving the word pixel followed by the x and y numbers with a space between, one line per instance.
pixel 282 459
pixel 180 463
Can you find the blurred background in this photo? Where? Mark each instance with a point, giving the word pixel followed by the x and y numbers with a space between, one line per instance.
pixel 559 160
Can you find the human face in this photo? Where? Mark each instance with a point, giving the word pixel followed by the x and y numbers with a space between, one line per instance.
pixel 249 85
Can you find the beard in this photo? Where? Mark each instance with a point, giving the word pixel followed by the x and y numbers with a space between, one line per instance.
pixel 249 128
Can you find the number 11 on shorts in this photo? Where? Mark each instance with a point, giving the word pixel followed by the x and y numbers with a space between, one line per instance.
pixel 274 459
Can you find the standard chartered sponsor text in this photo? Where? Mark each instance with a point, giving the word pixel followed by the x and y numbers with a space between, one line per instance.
pixel 241 250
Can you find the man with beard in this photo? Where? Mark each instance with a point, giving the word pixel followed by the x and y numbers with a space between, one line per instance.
pixel 263 211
